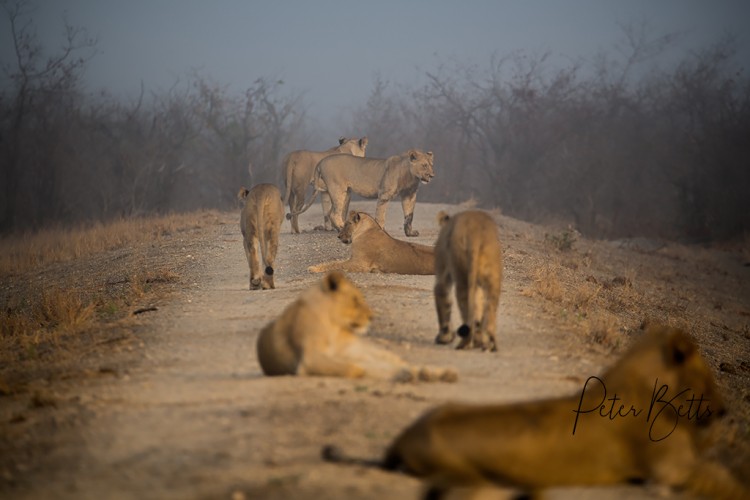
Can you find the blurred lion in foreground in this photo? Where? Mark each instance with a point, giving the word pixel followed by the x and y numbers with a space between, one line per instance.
pixel 642 421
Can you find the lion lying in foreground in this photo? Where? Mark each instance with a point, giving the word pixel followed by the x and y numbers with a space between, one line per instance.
pixel 640 421
pixel 375 251
pixel 318 335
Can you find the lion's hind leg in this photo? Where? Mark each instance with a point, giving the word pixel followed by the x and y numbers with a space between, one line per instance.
pixel 443 304
pixel 253 261
pixel 489 318
pixel 466 304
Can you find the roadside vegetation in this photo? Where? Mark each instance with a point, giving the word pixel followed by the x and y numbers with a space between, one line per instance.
pixel 68 292
pixel 646 139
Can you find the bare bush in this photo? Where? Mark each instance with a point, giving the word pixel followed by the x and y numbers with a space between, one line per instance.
pixel 617 149
pixel 69 157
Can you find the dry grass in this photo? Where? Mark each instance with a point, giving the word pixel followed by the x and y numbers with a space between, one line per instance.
pixel 22 253
pixel 597 308
pixel 51 315
pixel 547 284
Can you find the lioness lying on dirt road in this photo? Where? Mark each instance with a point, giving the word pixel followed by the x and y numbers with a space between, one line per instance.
pixel 640 421
pixel 317 334
pixel 375 251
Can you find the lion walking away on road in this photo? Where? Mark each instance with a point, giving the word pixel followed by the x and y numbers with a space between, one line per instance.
pixel 260 223
pixel 468 255
pixel 299 169
pixel 643 420
pixel 375 251
pixel 319 334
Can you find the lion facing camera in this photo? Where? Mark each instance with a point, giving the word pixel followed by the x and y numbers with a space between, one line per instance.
pixel 319 334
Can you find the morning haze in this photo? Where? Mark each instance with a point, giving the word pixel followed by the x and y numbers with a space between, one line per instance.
pixel 547 110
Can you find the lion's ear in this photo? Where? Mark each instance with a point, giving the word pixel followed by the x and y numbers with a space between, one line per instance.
pixel 342 140
pixel 679 347
pixel 363 142
pixel 332 281
pixel 429 153
pixel 442 218
pixel 242 194
pixel 356 217
pixel 412 155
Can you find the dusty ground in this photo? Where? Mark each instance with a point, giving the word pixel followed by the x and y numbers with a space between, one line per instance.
pixel 172 403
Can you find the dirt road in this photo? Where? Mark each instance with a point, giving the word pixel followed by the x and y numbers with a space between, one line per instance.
pixel 194 418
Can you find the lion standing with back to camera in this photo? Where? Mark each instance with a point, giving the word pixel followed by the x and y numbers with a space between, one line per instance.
pixel 260 223
pixel 468 254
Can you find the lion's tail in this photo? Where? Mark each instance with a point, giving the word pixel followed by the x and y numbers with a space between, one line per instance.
pixel 333 454
pixel 304 208
pixel 288 176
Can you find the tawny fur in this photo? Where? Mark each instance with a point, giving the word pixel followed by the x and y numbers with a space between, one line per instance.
pixel 299 169
pixel 375 251
pixel 381 178
pixel 260 223
pixel 468 256
pixel 531 445
pixel 319 334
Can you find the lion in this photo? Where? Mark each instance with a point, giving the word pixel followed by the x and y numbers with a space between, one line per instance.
pixel 468 254
pixel 260 223
pixel 644 420
pixel 375 251
pixel 384 179
pixel 319 334
pixel 299 168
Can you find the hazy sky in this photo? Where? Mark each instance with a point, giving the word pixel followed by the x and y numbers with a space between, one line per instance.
pixel 331 51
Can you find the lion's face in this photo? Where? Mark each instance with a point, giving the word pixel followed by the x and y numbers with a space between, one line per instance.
pixel 350 309
pixel 668 357
pixel 421 165
pixel 355 147
pixel 692 371
pixel 346 235
pixel 355 222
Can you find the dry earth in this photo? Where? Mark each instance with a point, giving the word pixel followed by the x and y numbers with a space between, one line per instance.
pixel 172 403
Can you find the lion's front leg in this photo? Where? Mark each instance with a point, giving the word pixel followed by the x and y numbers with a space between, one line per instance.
pixel 408 202
pixel 338 203
pixel 341 265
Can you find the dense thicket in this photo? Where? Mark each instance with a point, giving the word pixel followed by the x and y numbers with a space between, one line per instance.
pixel 608 147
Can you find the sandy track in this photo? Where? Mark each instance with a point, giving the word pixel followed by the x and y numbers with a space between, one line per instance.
pixel 196 419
